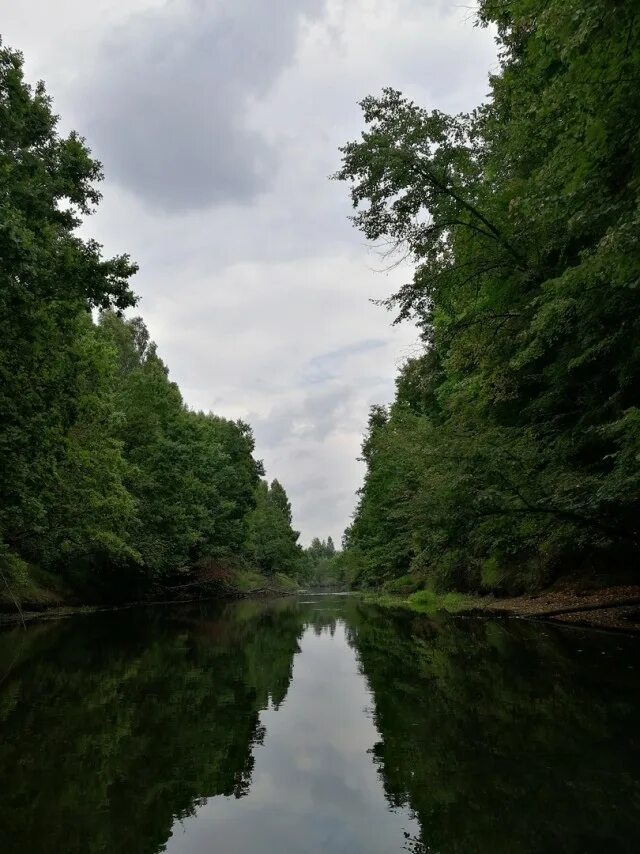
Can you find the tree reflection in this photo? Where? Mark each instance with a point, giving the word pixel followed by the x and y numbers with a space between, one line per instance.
pixel 505 737
pixel 500 737
pixel 115 727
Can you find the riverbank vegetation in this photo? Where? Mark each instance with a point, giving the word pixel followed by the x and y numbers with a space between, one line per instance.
pixel 322 566
pixel 510 456
pixel 111 488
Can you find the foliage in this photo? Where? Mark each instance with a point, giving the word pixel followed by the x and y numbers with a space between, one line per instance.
pixel 192 474
pixel 428 602
pixel 62 497
pixel 511 453
pixel 322 564
pixel 272 544
pixel 110 484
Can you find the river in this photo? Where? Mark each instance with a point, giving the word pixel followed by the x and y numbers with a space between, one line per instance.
pixel 321 724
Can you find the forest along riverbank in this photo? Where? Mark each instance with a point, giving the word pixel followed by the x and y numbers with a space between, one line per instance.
pixel 318 723
pixel 230 586
pixel 615 607
pixel 510 455
pixel 113 489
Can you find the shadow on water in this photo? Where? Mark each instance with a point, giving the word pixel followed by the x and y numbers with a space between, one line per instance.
pixel 322 724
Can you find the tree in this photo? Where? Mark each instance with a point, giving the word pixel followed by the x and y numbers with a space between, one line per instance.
pixel 280 499
pixel 511 453
pixel 271 542
pixel 61 496
pixel 192 474
pixel 109 481
pixel 322 565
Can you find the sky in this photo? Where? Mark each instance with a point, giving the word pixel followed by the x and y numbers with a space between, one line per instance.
pixel 218 124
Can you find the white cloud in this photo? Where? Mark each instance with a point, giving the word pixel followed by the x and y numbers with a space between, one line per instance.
pixel 167 101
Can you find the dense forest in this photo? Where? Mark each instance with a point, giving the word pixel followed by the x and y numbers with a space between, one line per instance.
pixel 111 486
pixel 510 456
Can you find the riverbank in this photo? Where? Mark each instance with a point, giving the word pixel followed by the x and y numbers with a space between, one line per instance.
pixel 616 607
pixel 45 598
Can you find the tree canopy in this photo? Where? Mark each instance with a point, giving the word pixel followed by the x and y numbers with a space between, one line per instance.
pixel 271 541
pixel 110 482
pixel 511 453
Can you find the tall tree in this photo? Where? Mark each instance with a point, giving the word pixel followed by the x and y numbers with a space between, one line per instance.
pixel 108 479
pixel 61 491
pixel 271 542
pixel 511 452
pixel 192 474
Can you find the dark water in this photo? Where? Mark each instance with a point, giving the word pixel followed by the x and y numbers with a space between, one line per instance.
pixel 322 725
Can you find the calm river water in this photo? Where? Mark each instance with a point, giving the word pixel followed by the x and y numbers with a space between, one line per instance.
pixel 316 725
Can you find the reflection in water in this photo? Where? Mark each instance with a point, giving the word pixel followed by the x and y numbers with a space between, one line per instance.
pixel 314 787
pixel 323 725
pixel 506 737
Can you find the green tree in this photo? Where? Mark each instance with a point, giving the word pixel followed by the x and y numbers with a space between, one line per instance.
pixel 61 492
pixel 192 474
pixel 280 499
pixel 108 479
pixel 512 451
pixel 271 542
pixel 322 564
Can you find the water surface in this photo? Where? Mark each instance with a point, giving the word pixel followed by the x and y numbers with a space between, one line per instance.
pixel 316 725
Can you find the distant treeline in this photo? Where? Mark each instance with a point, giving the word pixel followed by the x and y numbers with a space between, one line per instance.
pixel 110 483
pixel 323 566
pixel 511 453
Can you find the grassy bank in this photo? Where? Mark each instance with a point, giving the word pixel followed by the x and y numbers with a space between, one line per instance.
pixel 28 593
pixel 426 601
pixel 26 587
pixel 613 607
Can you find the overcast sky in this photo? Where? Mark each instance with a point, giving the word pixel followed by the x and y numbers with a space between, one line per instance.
pixel 218 123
